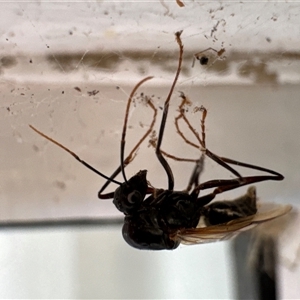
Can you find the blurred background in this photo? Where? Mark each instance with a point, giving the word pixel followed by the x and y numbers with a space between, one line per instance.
pixel 68 68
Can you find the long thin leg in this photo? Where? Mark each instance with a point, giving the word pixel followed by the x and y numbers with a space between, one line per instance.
pixel 223 160
pixel 201 146
pixel 194 179
pixel 224 185
pixel 122 150
pixel 131 155
pixel 164 118
pixel 186 101
pixel 153 143
pixel 201 141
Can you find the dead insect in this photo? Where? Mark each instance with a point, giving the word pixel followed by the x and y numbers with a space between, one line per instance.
pixel 167 217
pixel 204 56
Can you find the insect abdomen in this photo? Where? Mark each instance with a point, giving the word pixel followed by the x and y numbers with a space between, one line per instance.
pixel 224 211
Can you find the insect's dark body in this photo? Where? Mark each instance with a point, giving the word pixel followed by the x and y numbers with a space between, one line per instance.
pixel 151 223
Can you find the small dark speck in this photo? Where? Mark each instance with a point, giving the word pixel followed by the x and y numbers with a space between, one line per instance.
pixel 77 89
pixel 268 40
pixel 22 94
pixel 7 39
pixel 63 92
pixel 35 148
pixel 47 46
pixel 8 108
pixel 30 61
pixel 60 184
pixel 117 87
pixel 161 107
pixel 70 32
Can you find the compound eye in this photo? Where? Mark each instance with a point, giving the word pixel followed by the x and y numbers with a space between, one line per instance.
pixel 135 197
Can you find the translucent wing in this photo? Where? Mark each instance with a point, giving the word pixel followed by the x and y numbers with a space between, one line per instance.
pixel 228 230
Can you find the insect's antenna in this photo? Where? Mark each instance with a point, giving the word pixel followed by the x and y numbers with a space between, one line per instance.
pixel 74 155
pixel 164 117
pixel 125 124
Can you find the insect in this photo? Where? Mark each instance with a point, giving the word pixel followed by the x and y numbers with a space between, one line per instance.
pixel 157 219
pixel 204 56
